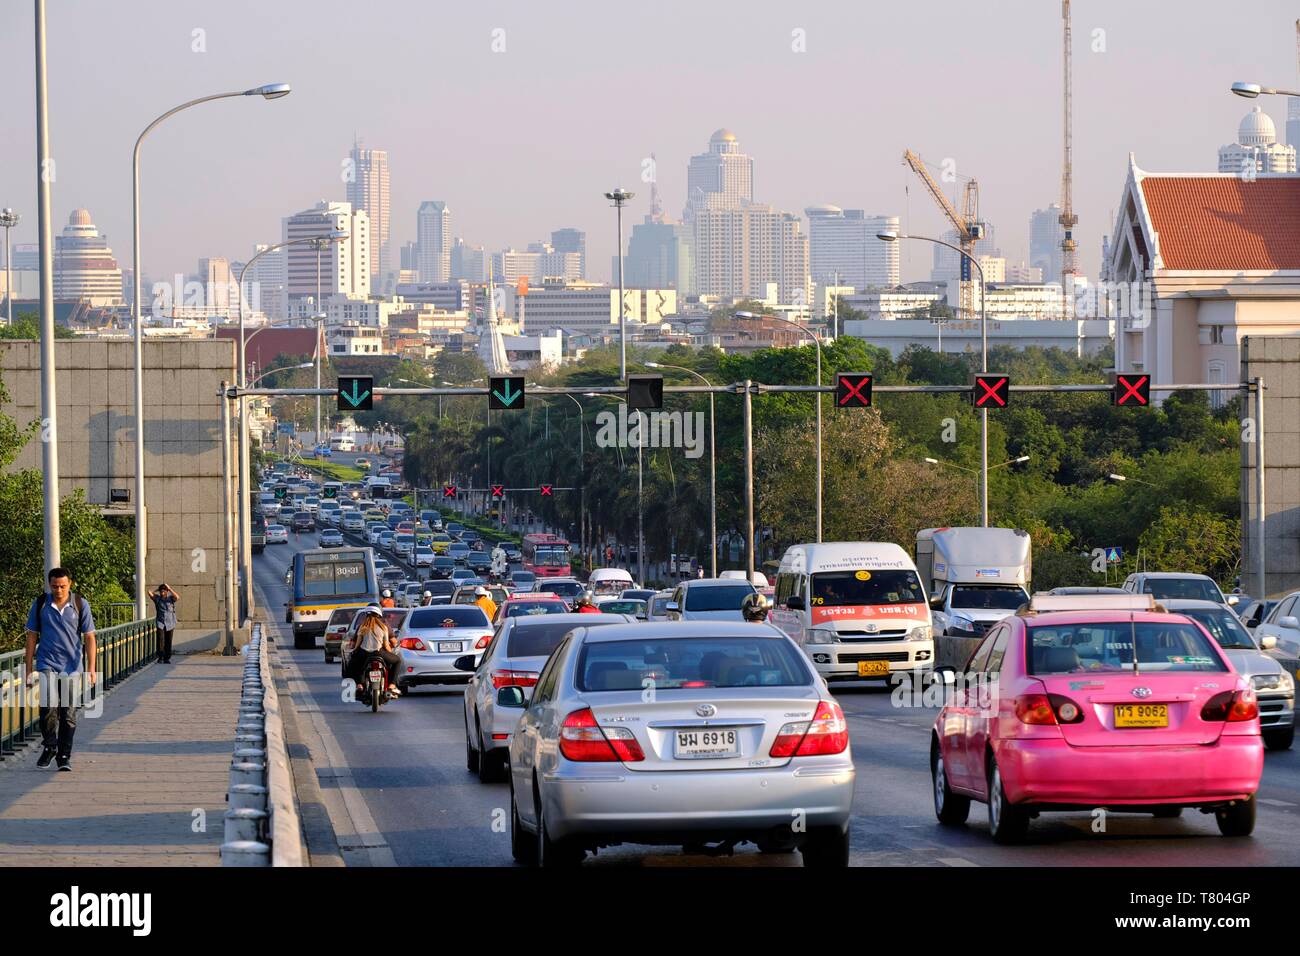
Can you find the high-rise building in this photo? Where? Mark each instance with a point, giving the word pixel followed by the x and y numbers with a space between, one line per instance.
pixel 1293 121
pixel 722 178
pixel 844 250
pixel 84 267
pixel 572 240
pixel 344 265
pixel 1045 237
pixel 265 286
pixel 658 257
pixel 947 263
pixel 433 238
pixel 368 191
pixel 1257 149
pixel 739 251
pixel 409 257
pixel 468 262
pixel 216 277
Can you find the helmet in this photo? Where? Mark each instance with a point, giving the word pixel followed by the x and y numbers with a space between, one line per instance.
pixel 480 591
pixel 428 593
pixel 583 599
pixel 755 607
pixel 386 593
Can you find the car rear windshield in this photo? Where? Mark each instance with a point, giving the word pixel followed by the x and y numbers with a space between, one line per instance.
pixel 623 607
pixel 529 608
pixel 1194 589
pixel 1224 626
pixel 439 588
pixel 722 597
pixel 1002 598
pixel 564 588
pixel 865 587
pixel 691 662
pixel 459 615
pixel 1098 648
pixel 342 615
pixel 539 638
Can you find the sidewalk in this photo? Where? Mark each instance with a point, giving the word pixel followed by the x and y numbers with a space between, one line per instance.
pixel 159 751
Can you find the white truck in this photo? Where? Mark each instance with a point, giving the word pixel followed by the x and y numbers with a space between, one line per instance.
pixel 975 577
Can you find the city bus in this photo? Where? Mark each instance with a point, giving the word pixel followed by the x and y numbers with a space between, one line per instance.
pixel 546 555
pixel 324 579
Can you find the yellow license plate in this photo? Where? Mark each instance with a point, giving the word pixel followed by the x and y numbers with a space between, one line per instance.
pixel 1141 715
pixel 873 668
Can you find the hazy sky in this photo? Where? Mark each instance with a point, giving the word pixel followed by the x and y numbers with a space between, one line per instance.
pixel 524 141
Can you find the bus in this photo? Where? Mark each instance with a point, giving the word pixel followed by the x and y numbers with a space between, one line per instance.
pixel 546 555
pixel 324 579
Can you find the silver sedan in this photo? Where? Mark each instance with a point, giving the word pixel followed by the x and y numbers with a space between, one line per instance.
pixel 678 733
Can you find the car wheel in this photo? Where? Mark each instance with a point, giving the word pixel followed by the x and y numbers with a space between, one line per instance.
pixel 952 809
pixel 825 847
pixel 553 853
pixel 471 755
pixel 1237 820
pixel 1279 739
pixel 490 765
pixel 522 845
pixel 1167 813
pixel 1008 824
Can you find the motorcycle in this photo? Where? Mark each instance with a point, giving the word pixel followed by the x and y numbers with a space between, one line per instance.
pixel 374 684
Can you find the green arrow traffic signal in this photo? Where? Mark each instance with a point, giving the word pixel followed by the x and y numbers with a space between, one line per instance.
pixel 356 393
pixel 506 392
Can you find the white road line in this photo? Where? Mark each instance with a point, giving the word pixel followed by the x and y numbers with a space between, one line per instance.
pixel 1273 803
pixel 955 861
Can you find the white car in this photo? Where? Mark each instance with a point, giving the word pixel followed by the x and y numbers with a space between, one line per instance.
pixel 1278 634
pixel 432 638
pixel 311 503
pixel 277 534
pixel 374 530
pixel 423 556
pixel 331 538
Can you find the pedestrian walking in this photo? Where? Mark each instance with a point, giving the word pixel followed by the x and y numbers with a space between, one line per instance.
pixel 58 624
pixel 164 602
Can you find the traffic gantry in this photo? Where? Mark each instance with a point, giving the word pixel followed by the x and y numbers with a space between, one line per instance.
pixel 356 393
pixel 498 491
pixel 852 390
pixel 506 392
pixel 645 391
pixel 1131 388
pixel 546 491
pixel 449 491
pixel 991 390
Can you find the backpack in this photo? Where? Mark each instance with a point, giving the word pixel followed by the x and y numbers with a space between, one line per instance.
pixel 44 599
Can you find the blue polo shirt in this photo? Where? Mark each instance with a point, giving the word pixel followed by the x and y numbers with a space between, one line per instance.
pixel 59 646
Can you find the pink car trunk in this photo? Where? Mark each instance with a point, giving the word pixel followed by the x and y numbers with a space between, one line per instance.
pixel 1145 701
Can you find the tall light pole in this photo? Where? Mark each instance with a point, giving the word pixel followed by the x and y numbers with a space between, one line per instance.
pixel 9 219
pixel 618 196
pixel 640 485
pixel 270 91
pixel 49 396
pixel 984 362
pixel 245 507
pixel 713 465
pixel 817 342
pixel 582 478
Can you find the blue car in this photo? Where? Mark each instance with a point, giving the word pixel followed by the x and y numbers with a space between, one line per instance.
pixel 323 451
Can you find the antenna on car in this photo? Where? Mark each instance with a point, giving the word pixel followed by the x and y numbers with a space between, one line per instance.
pixel 1133 632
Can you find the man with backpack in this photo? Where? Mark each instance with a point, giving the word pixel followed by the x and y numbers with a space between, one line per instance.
pixel 58 623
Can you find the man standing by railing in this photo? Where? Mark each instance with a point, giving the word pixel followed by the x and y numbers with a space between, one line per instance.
pixel 164 602
pixel 56 626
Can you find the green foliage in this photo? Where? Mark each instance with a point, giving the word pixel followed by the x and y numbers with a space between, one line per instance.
pixel 27 325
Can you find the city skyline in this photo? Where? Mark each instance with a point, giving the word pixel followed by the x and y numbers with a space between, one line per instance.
pixel 220 180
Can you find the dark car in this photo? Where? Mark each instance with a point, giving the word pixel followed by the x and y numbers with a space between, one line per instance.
pixel 566 588
pixel 478 561
pixel 441 591
pixel 513 553
pixel 443 566
pixel 304 521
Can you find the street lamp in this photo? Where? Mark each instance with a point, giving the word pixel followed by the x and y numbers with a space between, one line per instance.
pixel 272 371
pixel 1118 478
pixel 891 236
pixel 713 463
pixel 618 196
pixel 817 342
pixel 984 507
pixel 270 91
pixel 9 219
pixel 245 510
pixel 640 485
pixel 1252 90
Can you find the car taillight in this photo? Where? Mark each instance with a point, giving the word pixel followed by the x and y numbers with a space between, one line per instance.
pixel 1066 710
pixel 483 642
pixel 582 739
pixel 1231 706
pixel 826 733
pixel 513 679
pixel 1035 709
pixel 413 644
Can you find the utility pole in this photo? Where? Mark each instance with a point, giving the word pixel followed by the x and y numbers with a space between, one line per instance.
pixel 49 397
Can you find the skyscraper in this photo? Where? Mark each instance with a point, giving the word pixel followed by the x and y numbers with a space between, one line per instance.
pixel 84 267
pixel 468 262
pixel 572 240
pixel 722 178
pixel 344 265
pixel 1293 121
pixel 659 257
pixel 739 251
pixel 270 292
pixel 368 191
pixel 433 236
pixel 843 246
pixel 1045 237
pixel 946 264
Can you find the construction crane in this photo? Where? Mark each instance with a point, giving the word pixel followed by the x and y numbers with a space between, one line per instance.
pixel 1068 219
pixel 969 228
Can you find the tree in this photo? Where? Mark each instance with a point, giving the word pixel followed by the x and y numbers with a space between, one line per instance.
pixel 27 325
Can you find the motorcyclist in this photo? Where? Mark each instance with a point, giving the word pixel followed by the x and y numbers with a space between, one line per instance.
pixel 386 599
pixel 755 608
pixel 584 604
pixel 372 638
pixel 484 600
pixel 499 563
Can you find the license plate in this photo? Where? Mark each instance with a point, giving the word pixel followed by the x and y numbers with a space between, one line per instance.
pixel 448 647
pixel 873 668
pixel 692 744
pixel 1141 715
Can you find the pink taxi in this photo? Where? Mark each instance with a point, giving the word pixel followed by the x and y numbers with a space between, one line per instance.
pixel 1054 711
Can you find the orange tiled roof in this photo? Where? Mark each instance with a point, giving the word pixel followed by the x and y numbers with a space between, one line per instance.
pixel 1223 223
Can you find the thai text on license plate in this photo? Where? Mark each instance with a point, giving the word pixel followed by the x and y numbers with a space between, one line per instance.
pixel 1141 715
pixel 692 744
pixel 449 647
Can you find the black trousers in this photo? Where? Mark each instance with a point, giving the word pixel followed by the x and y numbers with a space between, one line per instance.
pixel 165 644
pixel 58 722
pixel 359 659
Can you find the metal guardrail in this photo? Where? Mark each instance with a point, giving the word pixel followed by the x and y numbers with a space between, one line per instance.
pixel 114 613
pixel 121 650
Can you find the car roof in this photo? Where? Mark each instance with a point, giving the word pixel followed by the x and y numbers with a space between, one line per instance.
pixel 1173 574
pixel 1193 604
pixel 642 630
pixel 538 620
pixel 714 582
pixel 1061 618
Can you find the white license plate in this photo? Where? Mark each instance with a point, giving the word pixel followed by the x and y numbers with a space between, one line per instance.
pixel 448 647
pixel 691 744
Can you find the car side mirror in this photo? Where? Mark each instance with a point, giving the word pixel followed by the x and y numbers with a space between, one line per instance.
pixel 936 602
pixel 671 606
pixel 464 663
pixel 795 602
pixel 1289 621
pixel 1268 642
pixel 511 697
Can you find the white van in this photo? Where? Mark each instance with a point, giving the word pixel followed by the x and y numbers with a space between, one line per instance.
pixel 858 609
pixel 610 580
pixel 760 579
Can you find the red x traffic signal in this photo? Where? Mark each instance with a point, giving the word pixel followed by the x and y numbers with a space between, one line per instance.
pixel 498 491
pixel 546 491
pixel 852 390
pixel 449 491
pixel 1131 389
pixel 992 390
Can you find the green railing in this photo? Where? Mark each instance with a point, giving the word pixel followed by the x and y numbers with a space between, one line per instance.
pixel 121 650
pixel 111 615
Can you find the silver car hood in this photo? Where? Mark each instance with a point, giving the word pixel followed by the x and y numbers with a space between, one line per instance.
pixel 1251 663
pixel 713 615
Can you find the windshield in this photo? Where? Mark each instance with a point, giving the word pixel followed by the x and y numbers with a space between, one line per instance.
pixel 341 576
pixel 866 588
pixel 1001 598
pixel 1194 589
pixel 691 662
pixel 448 615
pixel 722 597
pixel 551 557
pixel 529 608
pixel 564 588
pixel 1107 647
pixel 624 606
pixel 1224 626
pixel 523 577
pixel 539 638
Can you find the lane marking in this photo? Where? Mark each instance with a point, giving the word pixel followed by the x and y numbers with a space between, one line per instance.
pixel 1274 803
pixel 955 861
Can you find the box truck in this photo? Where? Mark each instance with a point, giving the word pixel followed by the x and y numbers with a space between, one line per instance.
pixel 975 577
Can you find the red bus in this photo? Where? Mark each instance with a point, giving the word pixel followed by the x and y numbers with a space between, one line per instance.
pixel 546 555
